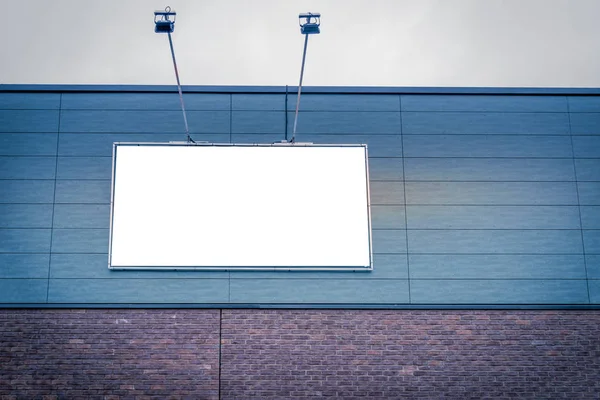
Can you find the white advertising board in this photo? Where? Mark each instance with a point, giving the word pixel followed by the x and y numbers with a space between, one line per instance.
pixel 264 207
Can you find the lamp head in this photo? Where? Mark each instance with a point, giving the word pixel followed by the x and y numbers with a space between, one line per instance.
pixel 310 23
pixel 164 21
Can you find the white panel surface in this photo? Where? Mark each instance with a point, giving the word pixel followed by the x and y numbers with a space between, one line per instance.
pixel 240 206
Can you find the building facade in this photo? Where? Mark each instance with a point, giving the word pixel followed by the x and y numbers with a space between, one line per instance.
pixel 485 208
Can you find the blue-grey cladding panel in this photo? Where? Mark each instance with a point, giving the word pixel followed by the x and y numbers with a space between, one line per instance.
pixel 377 145
pixel 489 169
pixel 487 146
pixel 344 122
pixel 444 123
pixel 103 121
pixel 495 241
pixel 24 265
pixel 80 241
pixel 77 191
pixel 496 266
pixel 584 104
pixel 591 239
pixel 386 241
pixel 84 168
pixel 81 216
pixel 82 265
pixel 329 291
pixel 385 266
pixel 26 191
pixel 25 240
pixel 388 217
pixel 29 121
pixel 92 266
pixel 257 122
pixel 345 102
pixel 144 101
pixel 586 146
pixel 23 290
pixel 387 192
pixel 594 286
pixel 101 144
pixel 593 265
pixel 499 291
pixel 589 193
pixel 590 217
pixel 385 169
pixel 495 217
pixel 484 103
pixel 257 137
pixel 585 123
pixel 30 101
pixel 492 193
pixel 138 291
pixel 588 170
pixel 28 144
pixel 253 102
pixel 25 215
pixel 27 167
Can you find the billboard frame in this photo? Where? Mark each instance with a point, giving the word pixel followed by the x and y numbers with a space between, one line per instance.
pixel 367 268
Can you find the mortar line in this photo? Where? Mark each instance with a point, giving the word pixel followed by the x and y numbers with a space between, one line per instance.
pixel 220 336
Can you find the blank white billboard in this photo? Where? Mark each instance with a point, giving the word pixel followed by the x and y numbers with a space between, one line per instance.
pixel 209 206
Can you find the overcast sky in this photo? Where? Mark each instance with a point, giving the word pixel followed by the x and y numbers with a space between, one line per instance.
pixel 539 43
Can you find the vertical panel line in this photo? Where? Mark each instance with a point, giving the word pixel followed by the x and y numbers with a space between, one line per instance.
pixel 228 272
pixel 54 196
pixel 230 116
pixel 219 360
pixel 285 110
pixel 587 279
pixel 404 190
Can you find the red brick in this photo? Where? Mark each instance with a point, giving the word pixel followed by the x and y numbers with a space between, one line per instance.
pixel 299 353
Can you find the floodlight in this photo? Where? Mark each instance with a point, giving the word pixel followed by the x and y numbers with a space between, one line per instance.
pixel 311 23
pixel 163 22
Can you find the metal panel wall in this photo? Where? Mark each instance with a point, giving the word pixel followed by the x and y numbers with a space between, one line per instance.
pixel 477 199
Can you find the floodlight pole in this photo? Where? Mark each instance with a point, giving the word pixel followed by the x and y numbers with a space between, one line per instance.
pixel 309 27
pixel 187 130
pixel 299 88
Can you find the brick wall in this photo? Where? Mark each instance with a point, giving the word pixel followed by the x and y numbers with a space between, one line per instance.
pixel 299 353
pixel 121 353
